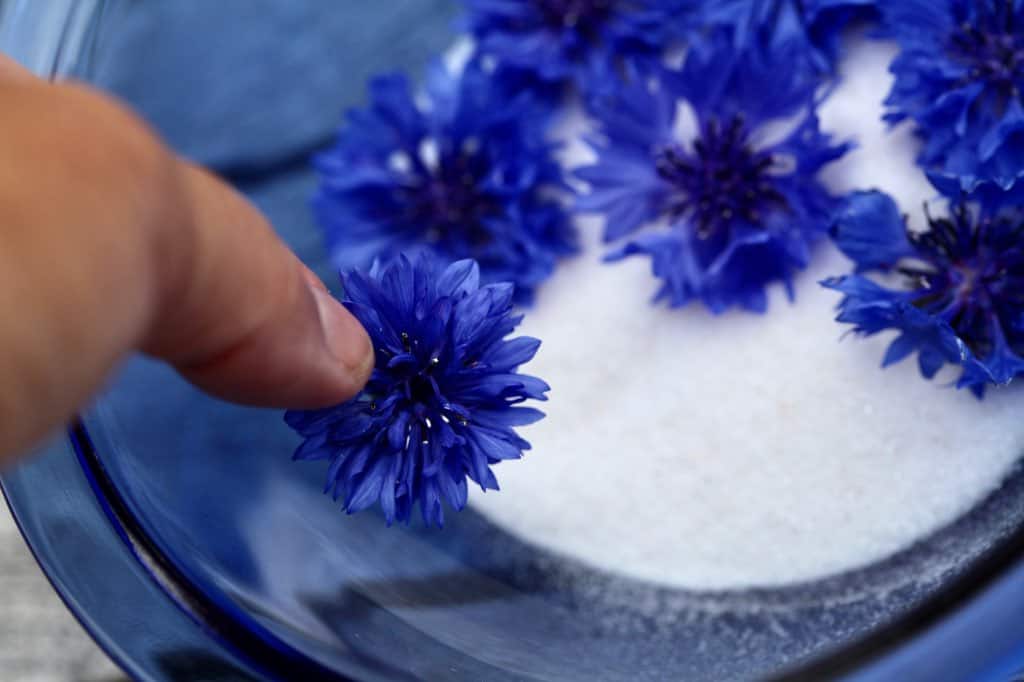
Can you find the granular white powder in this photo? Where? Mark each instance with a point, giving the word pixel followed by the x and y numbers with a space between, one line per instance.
pixel 734 451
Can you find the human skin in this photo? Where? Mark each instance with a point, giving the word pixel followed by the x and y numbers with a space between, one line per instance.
pixel 111 244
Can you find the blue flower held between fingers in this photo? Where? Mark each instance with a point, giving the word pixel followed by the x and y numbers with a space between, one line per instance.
pixel 443 399
pixel 726 210
pixel 467 171
pixel 962 299
pixel 959 76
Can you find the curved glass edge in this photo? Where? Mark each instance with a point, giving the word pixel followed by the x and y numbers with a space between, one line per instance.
pixel 91 564
pixel 969 627
pixel 973 633
pixel 52 38
pixel 215 612
pixel 982 641
pixel 970 630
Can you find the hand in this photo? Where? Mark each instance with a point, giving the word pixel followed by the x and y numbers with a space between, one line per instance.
pixel 109 243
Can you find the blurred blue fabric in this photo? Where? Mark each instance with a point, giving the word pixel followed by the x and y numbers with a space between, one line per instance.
pixel 251 88
pixel 241 85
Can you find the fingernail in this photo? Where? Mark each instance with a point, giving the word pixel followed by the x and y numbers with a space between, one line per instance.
pixel 346 339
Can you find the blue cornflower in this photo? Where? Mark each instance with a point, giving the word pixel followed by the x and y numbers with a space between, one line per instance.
pixel 444 397
pixel 808 31
pixel 962 294
pixel 580 42
pixel 736 209
pixel 466 170
pixel 959 76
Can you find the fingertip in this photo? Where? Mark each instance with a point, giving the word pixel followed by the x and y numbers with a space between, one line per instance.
pixel 311 353
pixel 345 339
pixel 261 329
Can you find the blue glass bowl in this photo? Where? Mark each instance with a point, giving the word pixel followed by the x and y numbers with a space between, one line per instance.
pixel 178 530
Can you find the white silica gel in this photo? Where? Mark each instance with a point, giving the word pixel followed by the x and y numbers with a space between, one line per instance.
pixel 742 450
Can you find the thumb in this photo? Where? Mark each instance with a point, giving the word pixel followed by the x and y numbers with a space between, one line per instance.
pixel 109 244
pixel 241 317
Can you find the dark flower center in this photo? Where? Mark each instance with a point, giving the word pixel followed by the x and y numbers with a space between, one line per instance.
pixel 419 389
pixel 452 205
pixel 416 379
pixel 992 47
pixel 972 276
pixel 584 16
pixel 722 179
